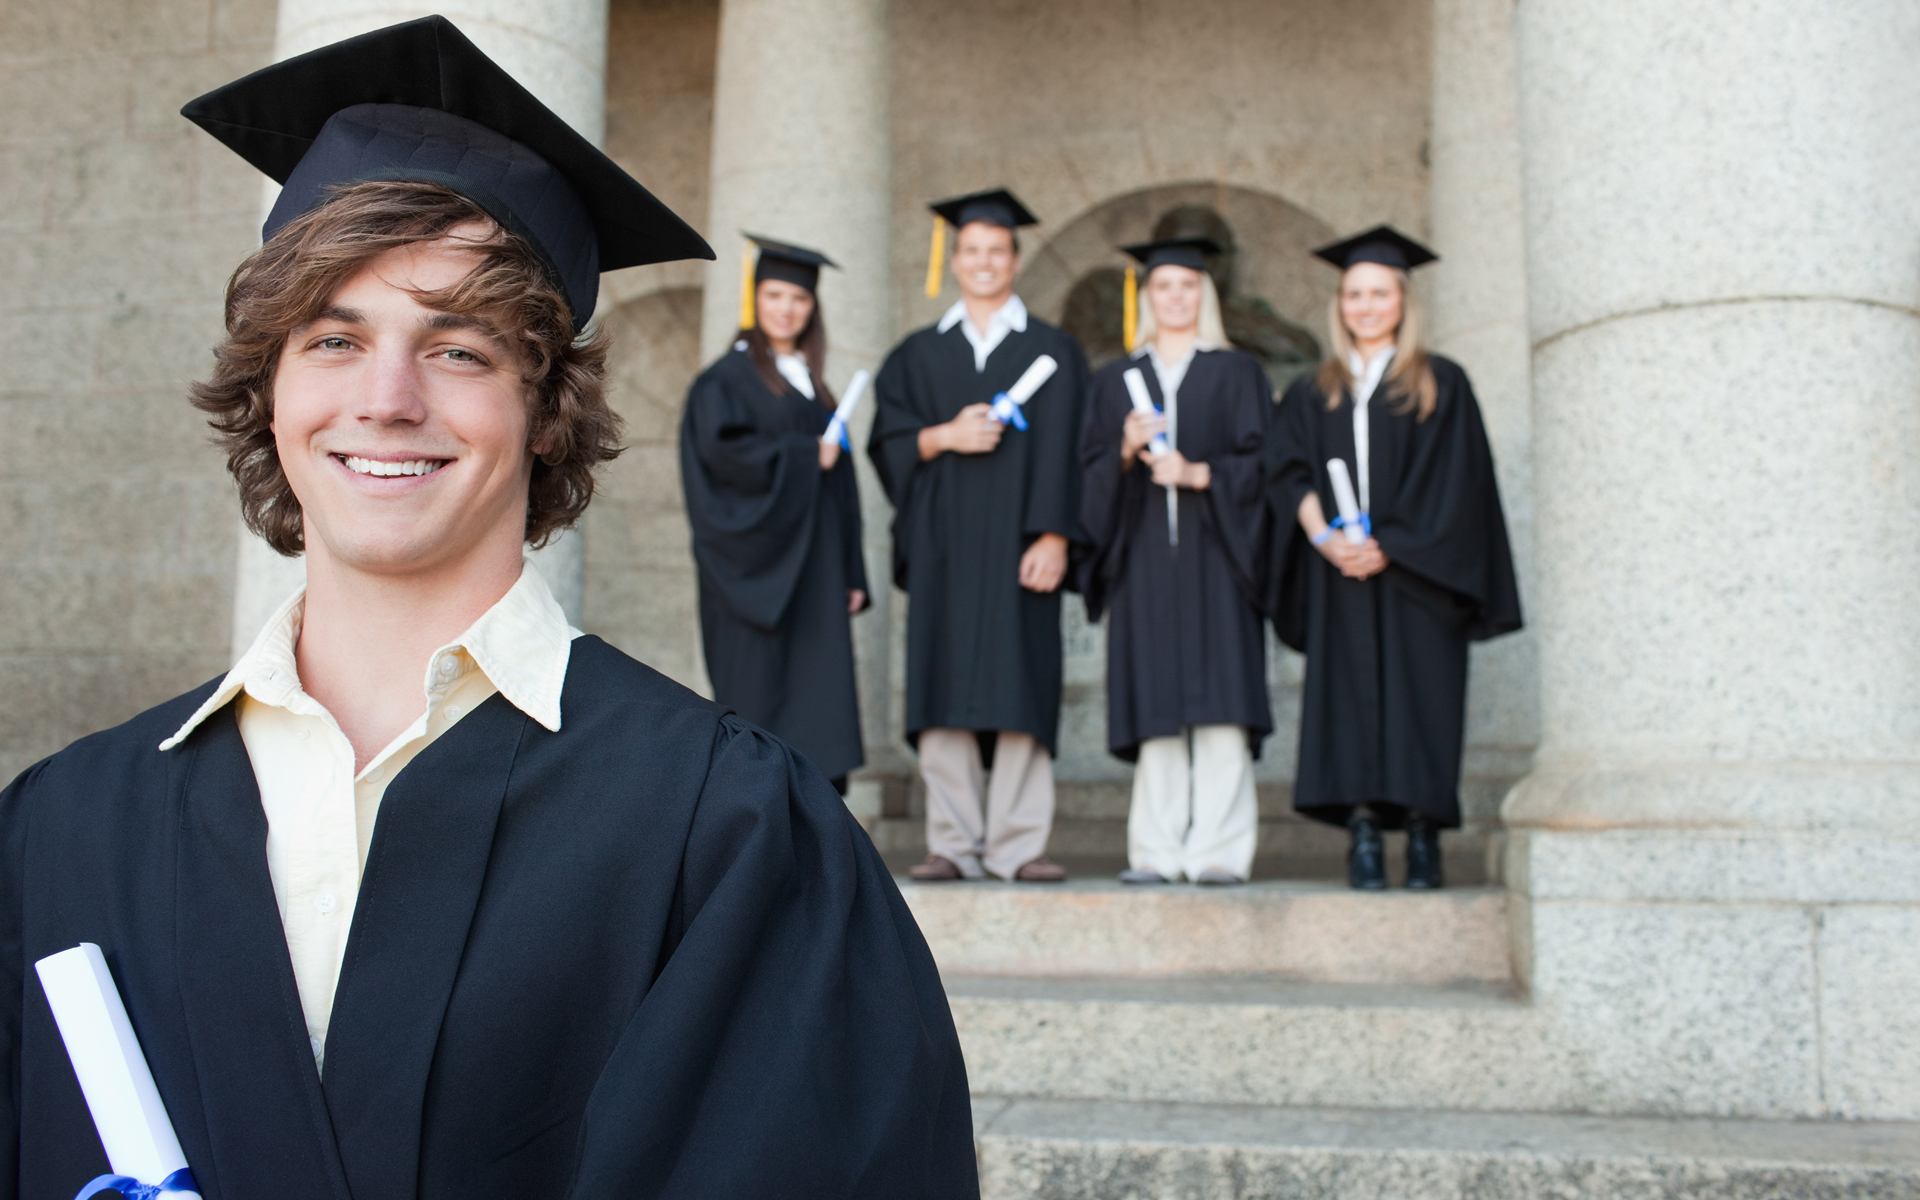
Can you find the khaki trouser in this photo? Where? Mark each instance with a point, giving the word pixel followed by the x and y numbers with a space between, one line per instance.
pixel 1193 804
pixel 1019 800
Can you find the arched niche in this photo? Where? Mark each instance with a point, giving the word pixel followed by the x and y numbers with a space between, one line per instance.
pixel 1270 266
pixel 641 594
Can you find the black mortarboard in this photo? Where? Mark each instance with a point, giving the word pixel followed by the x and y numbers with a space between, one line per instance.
pixel 418 101
pixel 794 264
pixel 1382 244
pixel 1174 252
pixel 997 207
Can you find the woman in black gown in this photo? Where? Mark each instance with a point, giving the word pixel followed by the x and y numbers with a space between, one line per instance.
pixel 1383 600
pixel 776 521
pixel 1180 530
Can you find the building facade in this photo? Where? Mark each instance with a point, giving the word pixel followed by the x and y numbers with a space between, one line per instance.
pixel 1696 775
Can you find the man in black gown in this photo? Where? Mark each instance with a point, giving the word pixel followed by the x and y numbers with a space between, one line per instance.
pixel 605 938
pixel 983 514
pixel 776 525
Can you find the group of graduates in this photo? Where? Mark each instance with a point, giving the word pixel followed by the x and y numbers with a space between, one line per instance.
pixel 1359 514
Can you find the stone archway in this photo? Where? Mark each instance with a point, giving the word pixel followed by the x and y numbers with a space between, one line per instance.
pixel 641 593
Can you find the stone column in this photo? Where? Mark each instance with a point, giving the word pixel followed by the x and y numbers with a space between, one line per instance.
pixel 1717 857
pixel 1478 299
pixel 558 49
pixel 802 151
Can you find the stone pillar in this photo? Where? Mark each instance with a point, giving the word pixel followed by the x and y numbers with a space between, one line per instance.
pixel 802 151
pixel 558 49
pixel 1478 299
pixel 1717 858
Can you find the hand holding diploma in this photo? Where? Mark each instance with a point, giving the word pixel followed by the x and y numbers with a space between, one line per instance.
pixel 127 1113
pixel 1007 405
pixel 1145 409
pixel 849 403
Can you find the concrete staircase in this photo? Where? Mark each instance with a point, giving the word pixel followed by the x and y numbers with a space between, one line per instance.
pixel 1300 1039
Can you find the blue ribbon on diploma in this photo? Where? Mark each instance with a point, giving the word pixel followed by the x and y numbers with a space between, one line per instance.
pixel 1364 522
pixel 133 1189
pixel 1007 412
pixel 837 423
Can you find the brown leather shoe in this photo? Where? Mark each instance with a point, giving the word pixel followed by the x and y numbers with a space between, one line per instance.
pixel 935 870
pixel 1041 870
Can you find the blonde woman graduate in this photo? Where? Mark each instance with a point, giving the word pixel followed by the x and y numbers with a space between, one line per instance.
pixel 776 520
pixel 1391 557
pixel 1172 499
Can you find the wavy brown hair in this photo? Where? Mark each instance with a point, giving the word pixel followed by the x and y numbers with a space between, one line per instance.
pixel 288 282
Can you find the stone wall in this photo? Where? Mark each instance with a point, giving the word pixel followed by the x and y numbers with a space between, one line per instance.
pixel 119 223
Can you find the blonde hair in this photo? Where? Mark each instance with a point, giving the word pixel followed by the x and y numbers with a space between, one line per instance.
pixel 1409 376
pixel 1212 333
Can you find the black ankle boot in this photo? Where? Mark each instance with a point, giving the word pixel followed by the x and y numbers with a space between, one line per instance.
pixel 1423 854
pixel 1367 861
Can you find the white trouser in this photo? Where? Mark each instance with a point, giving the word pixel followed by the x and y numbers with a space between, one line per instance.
pixel 1013 830
pixel 1194 804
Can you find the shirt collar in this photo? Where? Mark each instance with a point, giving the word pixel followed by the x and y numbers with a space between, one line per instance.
pixel 1012 314
pixel 522 644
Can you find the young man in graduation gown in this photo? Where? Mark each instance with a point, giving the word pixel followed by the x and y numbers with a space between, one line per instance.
pixel 983 516
pixel 1174 507
pixel 776 520
pixel 1384 617
pixel 432 896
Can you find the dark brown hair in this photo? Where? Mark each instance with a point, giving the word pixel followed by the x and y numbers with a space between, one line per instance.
pixel 288 282
pixel 812 347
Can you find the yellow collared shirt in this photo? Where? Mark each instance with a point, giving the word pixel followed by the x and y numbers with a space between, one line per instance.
pixel 320 815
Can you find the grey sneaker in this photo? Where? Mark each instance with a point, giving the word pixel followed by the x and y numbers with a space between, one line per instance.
pixel 1141 877
pixel 1215 877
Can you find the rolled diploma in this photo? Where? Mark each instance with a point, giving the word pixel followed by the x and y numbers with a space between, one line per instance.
pixel 1143 404
pixel 127 1113
pixel 1348 504
pixel 837 424
pixel 1023 388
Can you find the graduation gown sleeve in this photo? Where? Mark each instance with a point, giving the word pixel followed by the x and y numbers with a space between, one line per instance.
pixel 752 495
pixel 797 1041
pixel 893 446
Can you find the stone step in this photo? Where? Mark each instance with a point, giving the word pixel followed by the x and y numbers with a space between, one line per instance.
pixel 1034 1149
pixel 1312 932
pixel 1267 1042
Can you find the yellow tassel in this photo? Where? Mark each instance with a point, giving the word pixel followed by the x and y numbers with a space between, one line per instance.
pixel 746 286
pixel 1130 311
pixel 937 260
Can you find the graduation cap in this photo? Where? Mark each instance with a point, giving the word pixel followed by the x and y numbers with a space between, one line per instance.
pixel 1188 252
pixel 996 207
pixel 419 102
pixel 776 260
pixel 1382 244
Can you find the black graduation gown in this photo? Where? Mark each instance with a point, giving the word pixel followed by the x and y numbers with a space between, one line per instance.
pixel 1184 639
pixel 648 955
pixel 777 543
pixel 1384 706
pixel 983 653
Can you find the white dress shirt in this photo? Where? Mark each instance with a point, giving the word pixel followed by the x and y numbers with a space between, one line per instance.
pixel 793 369
pixel 1011 317
pixel 320 814
pixel 1367 374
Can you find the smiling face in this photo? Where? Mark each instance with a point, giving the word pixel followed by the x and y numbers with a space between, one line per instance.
pixel 783 310
pixel 1174 293
pixel 403 430
pixel 1371 304
pixel 984 260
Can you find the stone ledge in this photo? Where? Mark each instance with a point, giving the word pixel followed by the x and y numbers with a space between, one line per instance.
pixel 1881 797
pixel 1093 1150
pixel 1307 932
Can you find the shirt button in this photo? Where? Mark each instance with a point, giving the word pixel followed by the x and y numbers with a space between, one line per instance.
pixel 315 1043
pixel 325 903
pixel 303 734
pixel 449 665
pixel 374 775
pixel 453 712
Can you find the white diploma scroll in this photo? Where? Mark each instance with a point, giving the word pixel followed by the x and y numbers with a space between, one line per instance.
pixel 1349 505
pixel 1022 390
pixel 1143 404
pixel 127 1113
pixel 843 412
